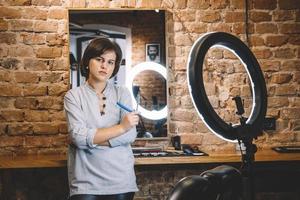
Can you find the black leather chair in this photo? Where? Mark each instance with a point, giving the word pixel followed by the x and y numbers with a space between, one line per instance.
pixel 221 183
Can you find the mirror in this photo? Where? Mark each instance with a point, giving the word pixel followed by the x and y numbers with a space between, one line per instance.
pixel 141 36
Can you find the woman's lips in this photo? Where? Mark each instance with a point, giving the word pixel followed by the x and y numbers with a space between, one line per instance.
pixel 102 73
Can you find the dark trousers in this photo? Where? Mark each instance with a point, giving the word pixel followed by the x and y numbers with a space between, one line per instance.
pixel 123 196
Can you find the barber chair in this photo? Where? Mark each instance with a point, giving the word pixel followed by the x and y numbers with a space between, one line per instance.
pixel 221 183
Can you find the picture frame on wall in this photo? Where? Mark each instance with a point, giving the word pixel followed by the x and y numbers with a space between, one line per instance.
pixel 153 52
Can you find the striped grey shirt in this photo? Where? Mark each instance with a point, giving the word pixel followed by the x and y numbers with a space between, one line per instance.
pixel 95 169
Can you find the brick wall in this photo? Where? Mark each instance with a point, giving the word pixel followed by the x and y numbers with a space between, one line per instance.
pixel 34 67
pixel 274 39
pixel 34 75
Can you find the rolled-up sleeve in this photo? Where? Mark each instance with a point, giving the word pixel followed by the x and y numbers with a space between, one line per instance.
pixel 129 136
pixel 80 135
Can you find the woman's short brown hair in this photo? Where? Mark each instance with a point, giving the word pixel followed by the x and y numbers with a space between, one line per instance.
pixel 95 49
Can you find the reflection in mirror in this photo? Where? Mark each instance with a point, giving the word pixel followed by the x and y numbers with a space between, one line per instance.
pixel 150 90
pixel 147 82
pixel 134 72
pixel 133 31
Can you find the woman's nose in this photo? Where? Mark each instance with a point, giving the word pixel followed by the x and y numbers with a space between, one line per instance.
pixel 103 64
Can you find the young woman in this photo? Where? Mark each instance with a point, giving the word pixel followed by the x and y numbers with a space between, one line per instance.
pixel 100 159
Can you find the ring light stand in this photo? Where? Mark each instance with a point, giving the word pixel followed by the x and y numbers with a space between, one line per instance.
pixel 248 129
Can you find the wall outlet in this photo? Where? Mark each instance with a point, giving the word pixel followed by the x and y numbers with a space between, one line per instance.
pixel 270 124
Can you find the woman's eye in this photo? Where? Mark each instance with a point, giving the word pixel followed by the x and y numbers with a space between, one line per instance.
pixel 99 59
pixel 111 62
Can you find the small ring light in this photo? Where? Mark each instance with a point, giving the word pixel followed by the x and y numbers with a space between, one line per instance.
pixel 152 66
pixel 254 123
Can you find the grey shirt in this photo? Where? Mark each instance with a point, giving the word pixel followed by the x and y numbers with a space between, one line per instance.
pixel 95 169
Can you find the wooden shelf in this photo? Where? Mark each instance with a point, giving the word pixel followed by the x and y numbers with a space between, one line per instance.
pixel 230 157
pixel 33 161
pixel 42 161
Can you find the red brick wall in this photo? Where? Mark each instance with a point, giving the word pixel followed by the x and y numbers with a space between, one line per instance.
pixel 34 67
pixel 274 39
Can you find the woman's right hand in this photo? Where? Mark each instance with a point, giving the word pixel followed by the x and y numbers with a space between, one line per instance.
pixel 130 120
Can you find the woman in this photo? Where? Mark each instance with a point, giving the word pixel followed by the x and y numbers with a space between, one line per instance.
pixel 100 162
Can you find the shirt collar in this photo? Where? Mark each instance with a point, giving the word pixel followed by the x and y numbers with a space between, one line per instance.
pixel 87 85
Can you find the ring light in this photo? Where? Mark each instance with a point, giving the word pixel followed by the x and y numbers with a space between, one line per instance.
pixel 152 66
pixel 254 123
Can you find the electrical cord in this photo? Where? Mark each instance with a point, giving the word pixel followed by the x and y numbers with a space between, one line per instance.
pixel 246 22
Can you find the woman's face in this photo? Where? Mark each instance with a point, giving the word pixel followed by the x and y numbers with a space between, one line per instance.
pixel 102 67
